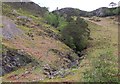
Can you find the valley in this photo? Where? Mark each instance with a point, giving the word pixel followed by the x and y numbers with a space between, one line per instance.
pixel 33 48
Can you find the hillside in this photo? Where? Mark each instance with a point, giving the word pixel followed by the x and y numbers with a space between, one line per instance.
pixel 100 63
pixel 26 33
pixel 33 50
pixel 70 12
pixel 28 6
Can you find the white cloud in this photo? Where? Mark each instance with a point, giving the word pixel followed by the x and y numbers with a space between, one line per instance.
pixel 87 5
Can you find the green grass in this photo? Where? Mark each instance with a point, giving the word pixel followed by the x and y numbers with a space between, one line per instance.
pixel 1 25
pixel 104 66
pixel 6 9
pixel 22 12
pixel 25 29
pixel 102 55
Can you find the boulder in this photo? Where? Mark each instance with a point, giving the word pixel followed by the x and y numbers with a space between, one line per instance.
pixel 12 60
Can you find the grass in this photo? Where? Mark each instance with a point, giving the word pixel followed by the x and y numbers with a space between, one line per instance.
pixel 100 62
pixel 6 9
pixel 1 25
pixel 25 29
pixel 30 15
pixel 102 54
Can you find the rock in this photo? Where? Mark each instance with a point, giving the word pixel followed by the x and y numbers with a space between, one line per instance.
pixel 15 12
pixel 10 30
pixel 27 72
pixel 41 79
pixel 12 60
pixel 63 73
pixel 33 80
pixel 24 17
pixel 49 72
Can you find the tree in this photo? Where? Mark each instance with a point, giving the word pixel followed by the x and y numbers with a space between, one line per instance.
pixel 76 34
pixel 112 4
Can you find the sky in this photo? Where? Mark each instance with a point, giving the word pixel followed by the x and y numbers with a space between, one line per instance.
pixel 86 5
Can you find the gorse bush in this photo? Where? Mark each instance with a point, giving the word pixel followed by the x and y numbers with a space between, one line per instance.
pixel 76 34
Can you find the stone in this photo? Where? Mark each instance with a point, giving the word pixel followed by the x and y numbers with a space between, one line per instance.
pixel 14 12
pixel 13 60
pixel 22 17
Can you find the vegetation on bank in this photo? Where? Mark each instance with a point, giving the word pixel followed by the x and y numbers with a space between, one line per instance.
pixel 74 30
pixel 76 34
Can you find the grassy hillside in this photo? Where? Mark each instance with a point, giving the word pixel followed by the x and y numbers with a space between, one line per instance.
pixel 103 51
pixel 30 34
pixel 100 63
pixel 51 60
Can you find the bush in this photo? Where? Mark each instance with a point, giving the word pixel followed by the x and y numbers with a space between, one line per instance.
pixel 76 34
pixel 52 19
pixel 62 23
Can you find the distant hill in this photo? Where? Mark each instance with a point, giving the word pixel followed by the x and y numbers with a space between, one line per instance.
pixel 70 12
pixel 28 6
pixel 101 12
pixel 104 11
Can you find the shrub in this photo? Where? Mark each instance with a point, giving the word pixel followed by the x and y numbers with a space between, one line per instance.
pixel 55 20
pixel 62 23
pixel 52 19
pixel 76 34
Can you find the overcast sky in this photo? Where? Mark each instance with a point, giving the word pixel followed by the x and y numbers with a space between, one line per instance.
pixel 87 5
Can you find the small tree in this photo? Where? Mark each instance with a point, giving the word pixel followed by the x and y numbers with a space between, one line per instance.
pixel 76 34
pixel 112 4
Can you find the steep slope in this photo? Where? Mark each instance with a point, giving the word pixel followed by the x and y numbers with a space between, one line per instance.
pixel 10 30
pixel 28 33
